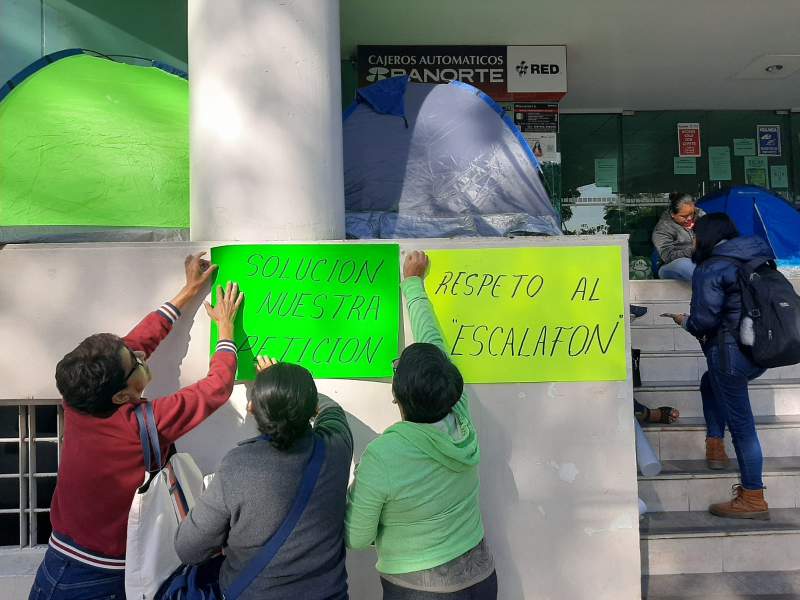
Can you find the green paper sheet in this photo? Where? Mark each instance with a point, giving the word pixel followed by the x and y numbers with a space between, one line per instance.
pixel 744 146
pixel 605 173
pixel 683 165
pixel 779 175
pixel 755 171
pixel 333 308
pixel 719 163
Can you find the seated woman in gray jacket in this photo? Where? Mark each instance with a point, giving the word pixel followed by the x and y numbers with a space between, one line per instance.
pixel 257 482
pixel 673 237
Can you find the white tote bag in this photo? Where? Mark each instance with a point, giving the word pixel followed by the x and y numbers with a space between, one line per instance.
pixel 167 494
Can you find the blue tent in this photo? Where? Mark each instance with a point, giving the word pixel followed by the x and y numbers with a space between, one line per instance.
pixel 426 160
pixel 757 211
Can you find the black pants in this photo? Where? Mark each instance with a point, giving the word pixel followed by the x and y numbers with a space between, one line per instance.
pixel 483 590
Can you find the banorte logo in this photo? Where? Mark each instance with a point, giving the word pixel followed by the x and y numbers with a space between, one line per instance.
pixel 522 68
pixel 377 73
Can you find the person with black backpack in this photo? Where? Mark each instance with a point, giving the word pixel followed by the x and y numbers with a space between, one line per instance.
pixel 722 257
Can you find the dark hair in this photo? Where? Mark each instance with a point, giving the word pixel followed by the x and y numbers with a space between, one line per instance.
pixel 284 399
pixel 709 231
pixel 426 384
pixel 678 199
pixel 90 375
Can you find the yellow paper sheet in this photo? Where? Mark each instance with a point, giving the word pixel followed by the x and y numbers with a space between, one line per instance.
pixel 531 314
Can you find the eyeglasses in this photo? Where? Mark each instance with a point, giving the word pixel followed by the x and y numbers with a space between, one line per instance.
pixel 137 362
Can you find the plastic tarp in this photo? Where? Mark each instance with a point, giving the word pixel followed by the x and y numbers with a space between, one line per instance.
pixel 93 149
pixel 425 160
pixel 757 211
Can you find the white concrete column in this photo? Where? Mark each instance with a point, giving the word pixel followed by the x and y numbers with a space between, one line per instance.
pixel 266 123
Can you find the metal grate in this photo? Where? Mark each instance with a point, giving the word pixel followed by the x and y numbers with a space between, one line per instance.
pixel 31 434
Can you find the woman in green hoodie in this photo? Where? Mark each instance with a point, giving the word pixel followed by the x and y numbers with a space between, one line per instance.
pixel 416 490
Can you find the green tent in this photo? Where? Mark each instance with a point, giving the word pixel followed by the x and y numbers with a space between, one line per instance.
pixel 94 149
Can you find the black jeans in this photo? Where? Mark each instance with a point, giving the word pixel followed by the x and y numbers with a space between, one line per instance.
pixel 483 590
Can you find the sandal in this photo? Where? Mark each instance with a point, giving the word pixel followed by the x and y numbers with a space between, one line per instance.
pixel 663 414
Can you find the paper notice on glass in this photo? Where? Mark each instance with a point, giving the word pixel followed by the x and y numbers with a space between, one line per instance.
pixel 779 175
pixel 605 173
pixel 682 165
pixel 769 140
pixel 689 139
pixel 755 171
pixel 744 147
pixel 543 146
pixel 719 163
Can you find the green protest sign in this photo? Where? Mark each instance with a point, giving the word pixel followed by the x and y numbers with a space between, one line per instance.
pixel 333 308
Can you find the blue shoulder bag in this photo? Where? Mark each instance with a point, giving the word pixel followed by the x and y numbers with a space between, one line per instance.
pixel 190 583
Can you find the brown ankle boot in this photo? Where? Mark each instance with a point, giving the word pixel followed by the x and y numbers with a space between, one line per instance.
pixel 746 504
pixel 716 458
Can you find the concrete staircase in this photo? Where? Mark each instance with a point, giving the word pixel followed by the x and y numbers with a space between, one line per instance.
pixel 686 552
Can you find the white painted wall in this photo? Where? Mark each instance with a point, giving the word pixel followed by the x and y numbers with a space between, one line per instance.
pixel 266 123
pixel 558 470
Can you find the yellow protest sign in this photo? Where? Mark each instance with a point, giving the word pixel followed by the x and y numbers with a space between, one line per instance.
pixel 531 314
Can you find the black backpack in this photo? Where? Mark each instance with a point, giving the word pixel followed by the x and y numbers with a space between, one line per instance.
pixel 770 325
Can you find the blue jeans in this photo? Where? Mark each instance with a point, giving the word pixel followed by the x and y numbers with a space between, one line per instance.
pixel 680 268
pixel 726 402
pixel 61 578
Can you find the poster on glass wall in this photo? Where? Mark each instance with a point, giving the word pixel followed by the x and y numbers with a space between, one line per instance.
pixel 689 140
pixel 769 140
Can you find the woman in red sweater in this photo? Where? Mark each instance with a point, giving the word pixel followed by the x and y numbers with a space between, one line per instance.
pixel 101 381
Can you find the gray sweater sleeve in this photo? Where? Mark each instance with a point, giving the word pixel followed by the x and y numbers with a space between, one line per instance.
pixel 204 531
pixel 331 422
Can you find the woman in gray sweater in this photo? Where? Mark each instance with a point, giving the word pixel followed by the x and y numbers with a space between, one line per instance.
pixel 673 237
pixel 257 482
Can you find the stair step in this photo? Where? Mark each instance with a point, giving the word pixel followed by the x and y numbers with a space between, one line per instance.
pixel 759 585
pixel 659 291
pixel 729 596
pixel 688 485
pixel 662 338
pixel 767 396
pixel 690 365
pixel 643 292
pixel 702 524
pixel 698 542
pixel 685 439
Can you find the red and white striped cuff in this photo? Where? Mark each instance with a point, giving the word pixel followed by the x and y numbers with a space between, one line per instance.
pixel 169 311
pixel 87 558
pixel 226 346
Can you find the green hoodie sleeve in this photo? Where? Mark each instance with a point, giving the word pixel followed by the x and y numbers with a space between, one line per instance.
pixel 365 499
pixel 424 325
